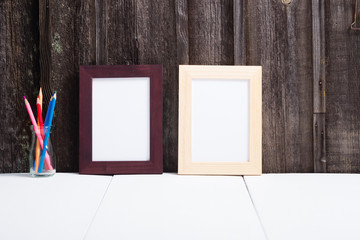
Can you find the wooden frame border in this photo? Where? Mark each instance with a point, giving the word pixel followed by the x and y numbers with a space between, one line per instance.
pixel 254 74
pixel 86 165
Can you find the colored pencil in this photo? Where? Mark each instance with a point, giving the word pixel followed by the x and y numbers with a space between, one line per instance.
pixel 41 124
pixel 37 132
pixel 47 134
pixel 37 150
pixel 41 105
pixel 41 98
pixel 44 123
pixel 48 111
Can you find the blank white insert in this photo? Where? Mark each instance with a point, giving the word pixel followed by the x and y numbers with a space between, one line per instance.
pixel 220 120
pixel 121 119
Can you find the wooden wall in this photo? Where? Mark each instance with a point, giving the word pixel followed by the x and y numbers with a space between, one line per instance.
pixel 310 60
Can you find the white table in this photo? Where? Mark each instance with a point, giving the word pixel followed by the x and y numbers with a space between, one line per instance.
pixel 168 206
pixel 307 206
pixel 58 207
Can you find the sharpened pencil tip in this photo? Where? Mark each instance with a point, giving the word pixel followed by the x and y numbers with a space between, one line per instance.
pixel 24 97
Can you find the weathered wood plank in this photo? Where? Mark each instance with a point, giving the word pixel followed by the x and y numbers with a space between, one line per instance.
pixel 343 88
pixel 19 76
pixel 120 38
pixel 72 34
pixel 182 32
pixel 85 22
pixel 63 80
pixel 278 39
pixel 101 31
pixel 156 33
pixel 44 48
pixel 319 80
pixel 211 32
pixel 182 45
pixel 318 35
pixel 239 33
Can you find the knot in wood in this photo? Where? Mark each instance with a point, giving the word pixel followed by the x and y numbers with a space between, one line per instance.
pixel 286 1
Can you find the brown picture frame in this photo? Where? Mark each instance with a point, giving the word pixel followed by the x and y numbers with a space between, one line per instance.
pixel 86 163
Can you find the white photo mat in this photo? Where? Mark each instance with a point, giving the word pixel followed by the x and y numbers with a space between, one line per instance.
pixel 220 122
pixel 121 131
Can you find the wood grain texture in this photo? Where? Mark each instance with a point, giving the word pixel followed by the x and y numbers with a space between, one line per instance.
pixel 182 31
pixel 319 134
pixel 283 38
pixel 211 32
pixel 319 83
pixel 116 32
pixel 343 88
pixel 318 35
pixel 19 76
pixel 44 48
pixel 278 39
pixel 72 42
pixel 101 31
pixel 156 34
pixel 239 32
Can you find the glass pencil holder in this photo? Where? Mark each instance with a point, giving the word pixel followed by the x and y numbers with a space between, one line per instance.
pixel 41 164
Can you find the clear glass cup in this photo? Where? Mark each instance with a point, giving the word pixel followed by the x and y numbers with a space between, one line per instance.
pixel 49 163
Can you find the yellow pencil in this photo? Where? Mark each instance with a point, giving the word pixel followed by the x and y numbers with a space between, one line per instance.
pixel 37 150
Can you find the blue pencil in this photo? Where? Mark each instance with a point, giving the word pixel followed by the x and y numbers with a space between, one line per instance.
pixel 48 111
pixel 47 134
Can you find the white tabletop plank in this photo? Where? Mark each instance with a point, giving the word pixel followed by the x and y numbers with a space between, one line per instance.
pixel 58 207
pixel 169 206
pixel 307 206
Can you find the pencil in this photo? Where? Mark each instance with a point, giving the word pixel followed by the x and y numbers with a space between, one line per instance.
pixel 37 132
pixel 41 124
pixel 48 111
pixel 41 98
pixel 47 134
pixel 37 151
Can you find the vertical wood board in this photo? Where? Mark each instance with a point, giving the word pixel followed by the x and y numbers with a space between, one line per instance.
pixel 19 76
pixel 278 39
pixel 343 88
pixel 157 45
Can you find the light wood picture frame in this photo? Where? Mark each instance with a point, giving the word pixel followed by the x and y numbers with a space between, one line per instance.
pixel 220 120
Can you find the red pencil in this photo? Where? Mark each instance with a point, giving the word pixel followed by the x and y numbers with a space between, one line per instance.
pixel 41 124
